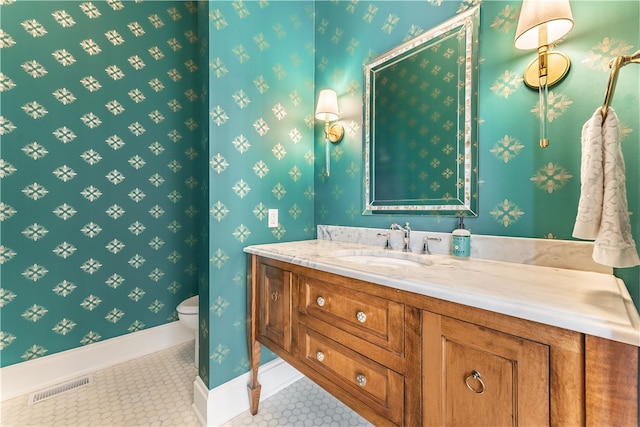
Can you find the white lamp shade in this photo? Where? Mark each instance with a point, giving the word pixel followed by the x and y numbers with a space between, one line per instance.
pixel 327 108
pixel 540 17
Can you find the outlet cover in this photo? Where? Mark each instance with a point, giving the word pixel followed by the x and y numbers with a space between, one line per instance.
pixel 273 218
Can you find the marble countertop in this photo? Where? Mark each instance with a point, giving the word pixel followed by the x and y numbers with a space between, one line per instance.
pixel 588 302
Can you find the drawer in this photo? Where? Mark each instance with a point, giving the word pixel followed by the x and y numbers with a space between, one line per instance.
pixel 373 319
pixel 376 386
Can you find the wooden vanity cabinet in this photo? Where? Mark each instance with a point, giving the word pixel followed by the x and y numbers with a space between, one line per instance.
pixel 399 358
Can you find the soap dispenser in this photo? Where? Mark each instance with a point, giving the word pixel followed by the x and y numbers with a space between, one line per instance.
pixel 461 241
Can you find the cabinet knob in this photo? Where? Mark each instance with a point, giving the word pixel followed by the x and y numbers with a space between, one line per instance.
pixel 320 356
pixel 475 375
pixel 320 301
pixel 361 380
pixel 274 296
pixel 361 317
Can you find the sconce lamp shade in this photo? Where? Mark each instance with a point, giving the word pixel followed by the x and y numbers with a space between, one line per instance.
pixel 327 108
pixel 542 22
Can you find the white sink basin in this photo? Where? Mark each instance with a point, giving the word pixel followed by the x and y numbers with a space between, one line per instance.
pixel 383 258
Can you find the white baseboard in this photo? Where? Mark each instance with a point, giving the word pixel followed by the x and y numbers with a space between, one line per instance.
pixel 221 404
pixel 26 377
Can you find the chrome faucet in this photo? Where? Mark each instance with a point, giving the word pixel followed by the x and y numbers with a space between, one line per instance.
pixel 407 235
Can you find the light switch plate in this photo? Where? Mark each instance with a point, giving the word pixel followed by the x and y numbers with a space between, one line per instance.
pixel 273 218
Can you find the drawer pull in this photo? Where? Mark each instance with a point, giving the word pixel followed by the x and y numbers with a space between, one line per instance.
pixel 274 296
pixel 361 317
pixel 320 356
pixel 476 376
pixel 320 301
pixel 361 380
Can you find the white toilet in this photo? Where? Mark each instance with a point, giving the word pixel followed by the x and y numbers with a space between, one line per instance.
pixel 188 315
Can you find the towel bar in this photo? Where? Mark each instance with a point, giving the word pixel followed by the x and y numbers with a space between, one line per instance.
pixel 615 65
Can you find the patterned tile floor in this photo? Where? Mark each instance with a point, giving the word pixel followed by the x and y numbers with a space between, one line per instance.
pixel 157 390
pixel 302 404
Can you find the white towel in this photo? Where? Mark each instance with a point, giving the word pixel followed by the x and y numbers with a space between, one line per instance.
pixel 603 212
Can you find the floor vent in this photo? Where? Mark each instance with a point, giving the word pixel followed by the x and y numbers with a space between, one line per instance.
pixel 50 392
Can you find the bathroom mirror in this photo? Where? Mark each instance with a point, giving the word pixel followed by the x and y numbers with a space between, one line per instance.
pixel 420 139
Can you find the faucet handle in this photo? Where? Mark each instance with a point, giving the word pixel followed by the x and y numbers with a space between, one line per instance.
pixel 386 245
pixel 425 246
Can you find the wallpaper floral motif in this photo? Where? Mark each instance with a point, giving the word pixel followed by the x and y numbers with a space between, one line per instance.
pixel 99 129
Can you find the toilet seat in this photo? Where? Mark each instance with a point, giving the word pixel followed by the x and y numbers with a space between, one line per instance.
pixel 188 306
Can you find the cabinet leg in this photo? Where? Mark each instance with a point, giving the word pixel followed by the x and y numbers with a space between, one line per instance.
pixel 254 386
pixel 252 333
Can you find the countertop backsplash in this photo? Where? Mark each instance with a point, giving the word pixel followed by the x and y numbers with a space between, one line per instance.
pixel 573 255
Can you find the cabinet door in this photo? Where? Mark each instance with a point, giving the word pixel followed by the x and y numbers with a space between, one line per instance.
pixel 274 296
pixel 481 377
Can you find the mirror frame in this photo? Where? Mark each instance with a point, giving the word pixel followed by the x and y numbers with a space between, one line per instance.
pixel 468 24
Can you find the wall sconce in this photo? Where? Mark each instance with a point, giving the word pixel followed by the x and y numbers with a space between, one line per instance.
pixel 327 111
pixel 541 23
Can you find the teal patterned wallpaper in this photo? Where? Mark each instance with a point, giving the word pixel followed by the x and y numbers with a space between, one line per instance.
pixel 203 164
pixel 261 103
pixel 101 207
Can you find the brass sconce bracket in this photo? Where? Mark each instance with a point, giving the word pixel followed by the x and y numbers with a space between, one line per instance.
pixel 335 133
pixel 557 68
